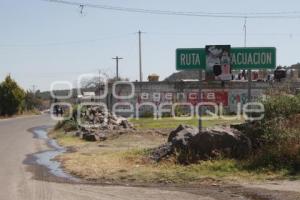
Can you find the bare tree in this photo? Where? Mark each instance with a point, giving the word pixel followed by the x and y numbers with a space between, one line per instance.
pixel 96 81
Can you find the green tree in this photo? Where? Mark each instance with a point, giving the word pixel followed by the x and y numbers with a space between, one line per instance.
pixel 12 97
pixel 32 101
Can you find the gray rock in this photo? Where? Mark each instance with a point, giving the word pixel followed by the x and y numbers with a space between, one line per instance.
pixel 162 151
pixel 191 146
pixel 89 137
pixel 101 136
pixel 125 124
pixel 78 133
pixel 100 120
pixel 222 140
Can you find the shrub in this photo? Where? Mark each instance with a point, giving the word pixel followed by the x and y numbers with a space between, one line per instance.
pixel 281 106
pixel 276 138
pixel 147 114
pixel 66 125
pixel 12 97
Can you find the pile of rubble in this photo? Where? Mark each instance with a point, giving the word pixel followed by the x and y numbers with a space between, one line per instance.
pixel 98 123
pixel 192 146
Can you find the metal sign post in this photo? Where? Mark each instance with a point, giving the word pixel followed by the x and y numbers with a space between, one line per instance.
pixel 200 126
pixel 249 84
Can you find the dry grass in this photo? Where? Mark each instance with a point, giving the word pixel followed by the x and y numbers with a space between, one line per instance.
pixel 133 165
pixel 66 140
pixel 171 123
pixel 124 159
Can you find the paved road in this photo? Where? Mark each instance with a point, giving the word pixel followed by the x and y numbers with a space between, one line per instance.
pixel 17 183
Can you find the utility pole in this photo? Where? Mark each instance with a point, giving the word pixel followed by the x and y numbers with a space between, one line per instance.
pixel 140 55
pixel 249 70
pixel 117 65
pixel 99 84
pixel 33 90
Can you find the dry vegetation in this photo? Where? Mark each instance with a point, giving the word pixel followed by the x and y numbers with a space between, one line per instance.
pixel 125 159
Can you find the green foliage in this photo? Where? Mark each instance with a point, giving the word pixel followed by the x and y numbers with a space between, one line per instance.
pixel 277 137
pixel 75 111
pixel 147 114
pixel 281 106
pixel 285 155
pixel 32 101
pixel 12 97
pixel 66 125
pixel 179 111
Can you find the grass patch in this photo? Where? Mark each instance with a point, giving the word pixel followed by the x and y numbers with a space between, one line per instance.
pixel 133 165
pixel 125 159
pixel 171 123
pixel 66 139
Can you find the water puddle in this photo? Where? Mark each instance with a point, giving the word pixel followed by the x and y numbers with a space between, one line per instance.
pixel 46 158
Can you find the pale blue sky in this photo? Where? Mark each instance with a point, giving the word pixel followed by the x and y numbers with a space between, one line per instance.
pixel 42 42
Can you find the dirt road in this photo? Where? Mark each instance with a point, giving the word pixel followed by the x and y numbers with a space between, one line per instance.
pixel 18 183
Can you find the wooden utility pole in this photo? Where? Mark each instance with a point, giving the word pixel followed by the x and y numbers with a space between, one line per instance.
pixel 140 56
pixel 117 65
pixel 249 70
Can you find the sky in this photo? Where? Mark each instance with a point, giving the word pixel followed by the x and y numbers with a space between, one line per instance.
pixel 42 42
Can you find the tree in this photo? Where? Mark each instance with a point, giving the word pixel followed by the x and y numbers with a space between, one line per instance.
pixel 12 97
pixel 95 81
pixel 32 101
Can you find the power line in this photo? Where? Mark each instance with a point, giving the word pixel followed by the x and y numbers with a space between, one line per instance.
pixel 283 14
pixel 160 34
pixel 75 42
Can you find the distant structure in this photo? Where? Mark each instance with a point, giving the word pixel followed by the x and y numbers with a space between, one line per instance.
pixel 153 78
pixel 296 66
pixel 183 75
pixel 296 70
pixel 87 96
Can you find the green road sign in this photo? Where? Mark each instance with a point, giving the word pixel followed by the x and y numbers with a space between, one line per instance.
pixel 190 59
pixel 241 58
pixel 253 58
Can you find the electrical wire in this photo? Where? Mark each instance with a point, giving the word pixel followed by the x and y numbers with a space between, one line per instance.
pixel 64 43
pixel 154 34
pixel 283 14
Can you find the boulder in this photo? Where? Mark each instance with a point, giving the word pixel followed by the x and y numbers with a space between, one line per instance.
pixel 191 146
pixel 100 136
pixel 181 136
pixel 125 124
pixel 78 133
pixel 162 151
pixel 226 141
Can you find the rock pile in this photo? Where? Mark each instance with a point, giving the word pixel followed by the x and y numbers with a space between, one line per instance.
pixel 98 123
pixel 95 116
pixel 191 146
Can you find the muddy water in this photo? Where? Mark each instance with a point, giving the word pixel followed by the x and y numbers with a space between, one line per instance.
pixel 46 158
